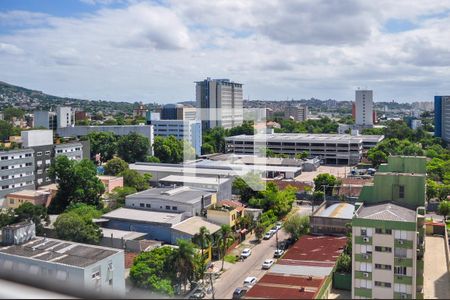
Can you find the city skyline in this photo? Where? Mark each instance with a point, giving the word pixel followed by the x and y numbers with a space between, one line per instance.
pixel 149 51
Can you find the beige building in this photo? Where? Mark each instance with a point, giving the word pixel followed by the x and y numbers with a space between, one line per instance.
pixel 14 200
pixel 388 247
pixel 225 213
pixel 297 113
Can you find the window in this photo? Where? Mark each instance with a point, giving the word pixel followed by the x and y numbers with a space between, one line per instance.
pixel 365 267
pixel 5 187
pixel 142 205
pixel 398 270
pixel 39 153
pixel 4 167
pixel 383 249
pixel 95 275
pixel 167 207
pixel 400 288
pixel 401 191
pixel 28 164
pixel 363 232
pixel 47 152
pixel 4 157
pixel 400 252
pixel 5 177
pixel 383 267
pixel 366 249
pixel 383 284
pixel 174 208
pixel 11 201
pixel 367 284
pixel 148 205
pixel 383 231
pixel 401 234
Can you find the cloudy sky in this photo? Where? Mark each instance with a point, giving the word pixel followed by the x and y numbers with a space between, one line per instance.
pixel 154 50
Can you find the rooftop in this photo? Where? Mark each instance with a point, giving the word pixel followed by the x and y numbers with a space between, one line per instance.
pixel 294 137
pixel 387 212
pixel 105 177
pixel 340 210
pixel 143 216
pixel 122 234
pixel 60 252
pixel 192 226
pixel 316 248
pixel 182 169
pixel 193 179
pixel 28 193
pixel 183 194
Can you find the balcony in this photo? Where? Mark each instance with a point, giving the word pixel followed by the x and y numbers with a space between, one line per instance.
pixel 403 262
pixel 363 240
pixel 363 257
pixel 402 296
pixel 402 279
pixel 403 244
pixel 363 275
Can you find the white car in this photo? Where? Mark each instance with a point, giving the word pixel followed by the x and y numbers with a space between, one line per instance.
pixel 246 253
pixel 278 253
pixel 267 264
pixel 250 281
pixel 268 235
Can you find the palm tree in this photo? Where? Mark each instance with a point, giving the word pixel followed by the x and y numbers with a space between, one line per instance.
pixel 225 237
pixel 184 262
pixel 203 240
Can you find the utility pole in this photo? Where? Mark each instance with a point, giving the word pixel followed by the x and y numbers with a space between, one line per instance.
pixel 212 286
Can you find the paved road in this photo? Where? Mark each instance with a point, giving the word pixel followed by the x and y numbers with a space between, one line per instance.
pixel 234 277
pixel 436 277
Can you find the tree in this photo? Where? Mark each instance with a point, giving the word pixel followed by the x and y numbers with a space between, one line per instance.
pixel 132 178
pixel 168 149
pixel 207 148
pixel 77 182
pixel 377 157
pixel 153 159
pixel 296 226
pixel 133 147
pixel 325 180
pixel 183 262
pixel 247 186
pixel 72 227
pixel 444 208
pixel 118 195
pixel 225 238
pixel 344 263
pixel 302 155
pixel 103 143
pixel 115 166
pixel 202 239
pixel 86 212
pixel 154 270
pixel 7 130
pixel 259 231
pixel 10 113
pixel 432 189
pixel 35 213
pixel 6 217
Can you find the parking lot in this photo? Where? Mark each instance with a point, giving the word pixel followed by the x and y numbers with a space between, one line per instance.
pixel 338 171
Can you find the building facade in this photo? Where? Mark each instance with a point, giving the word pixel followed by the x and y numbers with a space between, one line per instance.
pixel 364 107
pixel 45 119
pixel 17 169
pixel 331 148
pixel 220 102
pixel 442 117
pixel 297 113
pixel 190 131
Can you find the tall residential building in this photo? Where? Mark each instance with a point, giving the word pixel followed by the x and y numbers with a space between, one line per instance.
pixel 442 117
pixel 63 118
pixel 220 102
pixel 178 112
pixel 16 171
pixel 298 113
pixel 364 107
pixel 388 232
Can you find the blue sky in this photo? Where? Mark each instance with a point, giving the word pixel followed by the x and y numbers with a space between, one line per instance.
pixel 149 51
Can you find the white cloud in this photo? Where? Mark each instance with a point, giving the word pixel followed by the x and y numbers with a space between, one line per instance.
pixel 144 51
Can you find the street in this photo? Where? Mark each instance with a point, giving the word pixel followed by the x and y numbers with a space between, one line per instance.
pixel 234 276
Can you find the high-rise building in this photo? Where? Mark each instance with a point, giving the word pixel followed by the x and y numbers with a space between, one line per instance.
pixel 50 120
pixel 220 102
pixel 298 113
pixel 442 117
pixel 364 107
pixel 388 232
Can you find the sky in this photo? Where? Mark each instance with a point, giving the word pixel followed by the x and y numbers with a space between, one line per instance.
pixel 154 51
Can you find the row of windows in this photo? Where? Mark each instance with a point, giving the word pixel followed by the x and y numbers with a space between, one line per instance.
pixel 148 205
pixel 383 284
pixel 5 177
pixel 11 186
pixel 29 164
pixel 5 157
pixel 40 153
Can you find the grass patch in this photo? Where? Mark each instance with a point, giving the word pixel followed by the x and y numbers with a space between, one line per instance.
pixel 230 259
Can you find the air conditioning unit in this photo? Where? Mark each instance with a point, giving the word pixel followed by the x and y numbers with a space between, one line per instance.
pixel 365 239
pixel 365 274
pixel 400 242
pixel 366 256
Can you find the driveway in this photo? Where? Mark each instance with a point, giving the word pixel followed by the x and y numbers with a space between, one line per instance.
pixel 436 275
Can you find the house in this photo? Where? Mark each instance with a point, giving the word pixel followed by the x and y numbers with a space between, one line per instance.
pixel 39 197
pixel 111 182
pixel 226 212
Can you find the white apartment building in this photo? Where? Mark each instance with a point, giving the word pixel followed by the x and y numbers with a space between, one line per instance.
pixel 364 107
pixel 190 131
pixel 220 102
pixel 16 171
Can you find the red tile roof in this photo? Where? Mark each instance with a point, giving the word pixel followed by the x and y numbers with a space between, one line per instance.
pixel 316 248
pixel 271 292
pixel 235 204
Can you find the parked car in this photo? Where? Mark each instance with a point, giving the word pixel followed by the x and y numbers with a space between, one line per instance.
pixel 198 294
pixel 267 264
pixel 239 293
pixel 278 226
pixel 274 229
pixel 268 235
pixel 246 253
pixel 282 245
pixel 250 281
pixel 278 253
